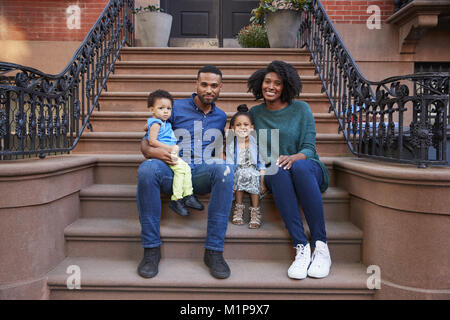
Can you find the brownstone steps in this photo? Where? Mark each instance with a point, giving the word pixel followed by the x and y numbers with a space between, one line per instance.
pixel 192 67
pixel 105 278
pixel 214 54
pixel 105 240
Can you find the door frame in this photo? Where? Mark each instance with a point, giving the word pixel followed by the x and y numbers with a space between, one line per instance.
pixel 220 35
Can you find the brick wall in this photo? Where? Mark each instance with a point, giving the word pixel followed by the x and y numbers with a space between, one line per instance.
pixel 355 11
pixel 47 19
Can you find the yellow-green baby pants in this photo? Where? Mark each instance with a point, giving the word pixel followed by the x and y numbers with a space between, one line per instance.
pixel 182 180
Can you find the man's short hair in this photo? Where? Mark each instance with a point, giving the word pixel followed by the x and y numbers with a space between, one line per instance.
pixel 158 94
pixel 210 69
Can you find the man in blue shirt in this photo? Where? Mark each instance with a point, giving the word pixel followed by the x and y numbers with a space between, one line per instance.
pixel 200 125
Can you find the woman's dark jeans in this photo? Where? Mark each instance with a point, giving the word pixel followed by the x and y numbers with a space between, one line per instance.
pixel 299 184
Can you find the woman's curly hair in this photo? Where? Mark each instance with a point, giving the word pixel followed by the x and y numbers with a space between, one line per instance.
pixel 292 85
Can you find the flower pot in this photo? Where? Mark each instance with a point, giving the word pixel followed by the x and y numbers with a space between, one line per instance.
pixel 282 28
pixel 153 29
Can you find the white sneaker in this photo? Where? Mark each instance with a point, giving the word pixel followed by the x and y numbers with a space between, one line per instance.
pixel 321 261
pixel 299 268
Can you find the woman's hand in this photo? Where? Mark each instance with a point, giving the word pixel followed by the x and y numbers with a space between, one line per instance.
pixel 286 162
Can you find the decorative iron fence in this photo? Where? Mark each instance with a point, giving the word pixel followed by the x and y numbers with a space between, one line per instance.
pixel 398 4
pixel 400 119
pixel 44 114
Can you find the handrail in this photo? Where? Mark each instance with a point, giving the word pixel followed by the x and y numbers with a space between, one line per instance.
pixel 44 114
pixel 400 119
pixel 398 4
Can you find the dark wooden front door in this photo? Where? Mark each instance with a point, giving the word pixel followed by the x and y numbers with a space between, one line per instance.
pixel 216 19
pixel 235 15
pixel 193 18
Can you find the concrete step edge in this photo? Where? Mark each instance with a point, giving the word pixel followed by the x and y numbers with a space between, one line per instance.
pixel 260 51
pixel 324 137
pixel 102 229
pixel 102 158
pixel 185 94
pixel 118 191
pixel 257 275
pixel 200 63
pixel 183 77
pixel 125 115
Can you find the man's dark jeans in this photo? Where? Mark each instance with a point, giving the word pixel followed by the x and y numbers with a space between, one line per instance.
pixel 155 177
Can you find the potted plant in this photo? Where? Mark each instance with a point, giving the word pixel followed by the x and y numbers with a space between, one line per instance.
pixel 282 20
pixel 253 36
pixel 153 26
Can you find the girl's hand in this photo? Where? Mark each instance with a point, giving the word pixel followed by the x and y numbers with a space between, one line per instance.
pixel 286 162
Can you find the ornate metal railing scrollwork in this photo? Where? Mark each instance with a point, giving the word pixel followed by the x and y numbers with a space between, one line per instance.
pixel 400 119
pixel 44 114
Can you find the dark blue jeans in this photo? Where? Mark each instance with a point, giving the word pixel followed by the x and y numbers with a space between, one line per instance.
pixel 299 184
pixel 155 177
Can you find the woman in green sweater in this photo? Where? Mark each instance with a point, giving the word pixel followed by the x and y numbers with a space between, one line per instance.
pixel 301 176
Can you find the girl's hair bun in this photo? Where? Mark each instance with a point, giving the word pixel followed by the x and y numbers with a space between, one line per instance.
pixel 242 108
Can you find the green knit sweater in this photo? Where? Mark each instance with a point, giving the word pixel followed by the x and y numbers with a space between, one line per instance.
pixel 297 132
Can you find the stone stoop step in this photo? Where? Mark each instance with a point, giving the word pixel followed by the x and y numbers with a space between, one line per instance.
pixel 119 201
pixel 121 169
pixel 181 82
pixel 105 278
pixel 121 238
pixel 122 121
pixel 214 54
pixel 327 144
pixel 228 101
pixel 192 67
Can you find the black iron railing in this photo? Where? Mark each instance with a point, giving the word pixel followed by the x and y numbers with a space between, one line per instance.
pixel 398 4
pixel 44 114
pixel 401 119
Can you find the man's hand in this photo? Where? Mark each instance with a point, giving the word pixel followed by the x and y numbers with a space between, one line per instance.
pixel 157 153
pixel 175 149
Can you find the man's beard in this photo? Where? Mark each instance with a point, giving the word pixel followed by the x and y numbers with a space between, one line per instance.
pixel 202 100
